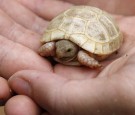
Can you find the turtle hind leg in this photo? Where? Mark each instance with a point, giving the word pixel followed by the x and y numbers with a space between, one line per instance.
pixel 48 49
pixel 87 60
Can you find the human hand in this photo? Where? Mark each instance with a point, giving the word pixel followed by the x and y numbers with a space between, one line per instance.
pixel 77 73
pixel 20 31
pixel 126 7
pixel 84 91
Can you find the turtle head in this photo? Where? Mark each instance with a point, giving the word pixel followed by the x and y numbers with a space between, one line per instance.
pixel 66 50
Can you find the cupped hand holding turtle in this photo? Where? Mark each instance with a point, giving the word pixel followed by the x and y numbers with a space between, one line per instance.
pixel 21 29
pixel 20 33
pixel 82 91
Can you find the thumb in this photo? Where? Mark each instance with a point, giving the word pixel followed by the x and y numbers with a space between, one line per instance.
pixel 40 86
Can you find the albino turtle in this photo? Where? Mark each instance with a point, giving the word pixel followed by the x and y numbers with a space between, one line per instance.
pixel 82 35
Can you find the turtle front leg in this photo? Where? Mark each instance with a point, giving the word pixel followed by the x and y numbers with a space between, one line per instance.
pixel 48 49
pixel 87 60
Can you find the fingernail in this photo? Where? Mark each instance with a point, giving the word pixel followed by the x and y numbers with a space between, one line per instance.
pixel 21 86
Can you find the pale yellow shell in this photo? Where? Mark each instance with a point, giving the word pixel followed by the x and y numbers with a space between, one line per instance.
pixel 90 28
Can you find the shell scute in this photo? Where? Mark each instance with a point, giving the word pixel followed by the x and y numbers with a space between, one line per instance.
pixel 57 34
pixel 79 39
pixel 83 13
pixel 108 25
pixel 114 44
pixel 106 48
pixel 73 25
pixel 98 48
pixel 89 46
pixel 56 22
pixel 46 37
pixel 96 32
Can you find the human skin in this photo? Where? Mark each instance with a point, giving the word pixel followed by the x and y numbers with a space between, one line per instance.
pixel 15 51
pixel 84 91
pixel 20 33
pixel 113 6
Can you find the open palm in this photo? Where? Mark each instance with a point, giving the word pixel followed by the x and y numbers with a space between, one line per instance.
pixel 80 90
pixel 72 90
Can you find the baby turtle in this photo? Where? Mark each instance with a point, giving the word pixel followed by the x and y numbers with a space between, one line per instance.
pixel 82 35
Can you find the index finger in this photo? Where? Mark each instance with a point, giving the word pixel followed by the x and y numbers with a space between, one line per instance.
pixel 47 9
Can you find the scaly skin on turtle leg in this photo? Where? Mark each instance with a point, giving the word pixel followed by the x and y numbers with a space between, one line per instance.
pixel 86 60
pixel 48 49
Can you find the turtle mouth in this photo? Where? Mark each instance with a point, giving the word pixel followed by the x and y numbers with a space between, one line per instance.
pixel 65 59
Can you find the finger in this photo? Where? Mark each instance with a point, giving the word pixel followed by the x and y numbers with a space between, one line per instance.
pixel 115 6
pixel 32 83
pixel 23 16
pixel 5 91
pixel 47 9
pixel 54 93
pixel 50 91
pixel 15 57
pixel 17 33
pixel 21 105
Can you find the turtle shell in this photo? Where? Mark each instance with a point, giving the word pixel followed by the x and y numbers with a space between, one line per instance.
pixel 90 28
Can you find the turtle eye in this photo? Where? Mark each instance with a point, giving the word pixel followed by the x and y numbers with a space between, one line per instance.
pixel 69 50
